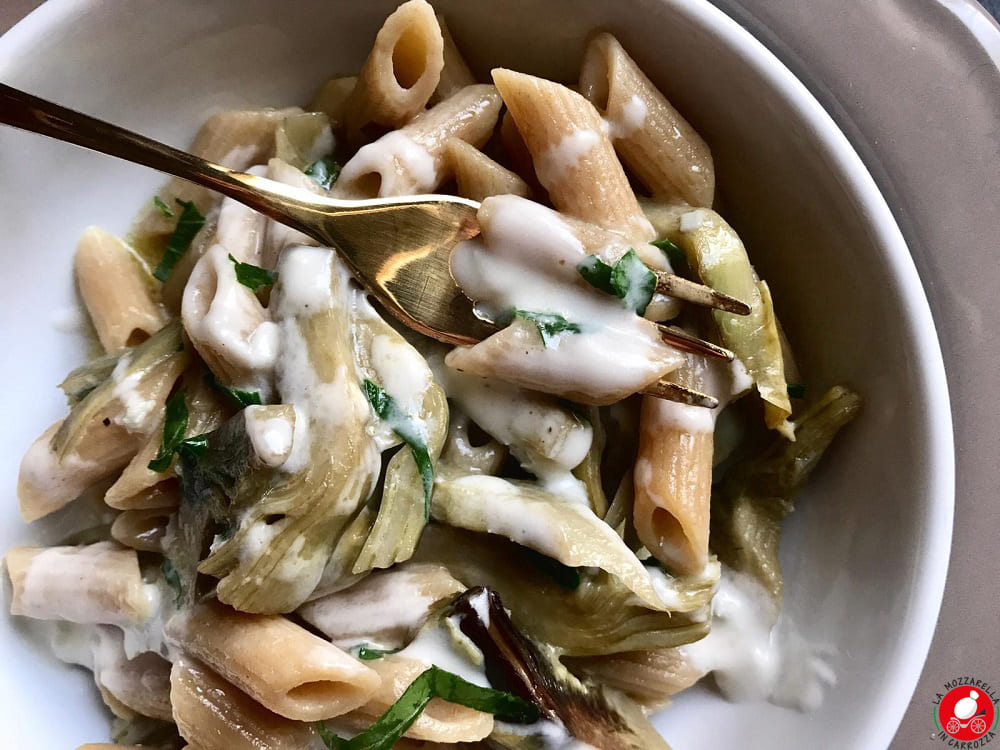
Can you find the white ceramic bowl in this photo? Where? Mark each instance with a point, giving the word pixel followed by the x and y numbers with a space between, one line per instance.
pixel 866 555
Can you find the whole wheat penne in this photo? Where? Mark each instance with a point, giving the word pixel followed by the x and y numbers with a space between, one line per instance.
pixel 440 721
pixel 98 583
pixel 411 159
pixel 116 291
pixel 572 155
pixel 455 74
pixel 652 137
pixel 402 69
pixel 298 676
pixel 332 99
pixel 478 176
pixel 213 714
pixel 673 479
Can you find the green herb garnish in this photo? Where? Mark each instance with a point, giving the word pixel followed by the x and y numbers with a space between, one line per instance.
pixel 629 279
pixel 796 390
pixel 549 325
pixel 433 683
pixel 175 424
pixel 409 431
pixel 674 254
pixel 188 225
pixel 251 276
pixel 164 208
pixel 173 579
pixel 324 171
pixel 366 653
pixel 240 398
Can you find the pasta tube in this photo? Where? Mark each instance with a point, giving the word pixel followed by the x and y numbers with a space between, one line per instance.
pixel 573 158
pixel 402 69
pixel 298 675
pixel 455 74
pixel 116 290
pixel 652 137
pixel 440 721
pixel 673 478
pixel 212 714
pixel 412 159
pixel 99 583
pixel 478 176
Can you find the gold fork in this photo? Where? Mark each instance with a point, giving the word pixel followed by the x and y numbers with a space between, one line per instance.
pixel 399 248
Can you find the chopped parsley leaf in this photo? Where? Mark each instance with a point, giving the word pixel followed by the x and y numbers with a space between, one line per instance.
pixel 188 225
pixel 251 276
pixel 407 428
pixel 549 325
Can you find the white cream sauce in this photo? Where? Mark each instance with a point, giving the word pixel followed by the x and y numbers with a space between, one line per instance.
pixel 386 608
pixel 68 319
pixel 402 164
pixel 555 164
pixel 270 436
pixel 551 734
pixel 241 229
pixel 436 646
pixel 753 658
pixel 222 314
pixel 136 406
pixel 527 260
pixel 55 479
pixel 547 440
pixel 632 118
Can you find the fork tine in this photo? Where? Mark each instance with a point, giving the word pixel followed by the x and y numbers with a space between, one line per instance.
pixel 699 294
pixel 688 343
pixel 674 392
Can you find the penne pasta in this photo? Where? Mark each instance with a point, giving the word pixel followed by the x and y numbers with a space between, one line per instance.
pixel 298 676
pixel 478 176
pixel 100 583
pixel 455 74
pixel 116 290
pixel 332 99
pixel 412 159
pixel 402 69
pixel 573 157
pixel 212 714
pixel 440 721
pixel 673 479
pixel 652 137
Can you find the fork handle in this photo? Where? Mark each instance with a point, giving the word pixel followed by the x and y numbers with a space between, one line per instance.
pixel 28 112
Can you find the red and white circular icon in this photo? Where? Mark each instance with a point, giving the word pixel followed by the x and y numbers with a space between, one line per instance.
pixel 965 713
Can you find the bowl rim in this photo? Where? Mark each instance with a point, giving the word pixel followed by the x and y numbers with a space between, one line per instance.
pixel 935 533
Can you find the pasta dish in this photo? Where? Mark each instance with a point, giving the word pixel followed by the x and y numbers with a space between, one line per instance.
pixel 275 518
